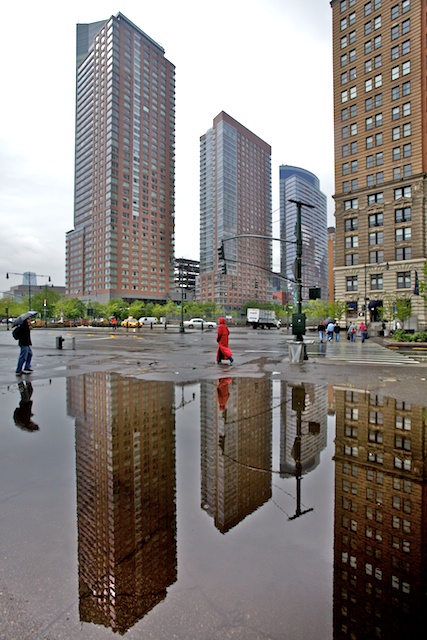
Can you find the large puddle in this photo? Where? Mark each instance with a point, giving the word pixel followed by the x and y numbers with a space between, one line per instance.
pixel 240 508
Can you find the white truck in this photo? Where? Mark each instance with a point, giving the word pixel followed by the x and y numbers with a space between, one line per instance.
pixel 261 318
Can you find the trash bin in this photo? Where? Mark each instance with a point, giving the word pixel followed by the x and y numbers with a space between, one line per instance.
pixel 59 342
pixel 296 352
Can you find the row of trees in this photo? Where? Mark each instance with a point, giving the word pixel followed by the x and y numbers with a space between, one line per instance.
pixel 49 304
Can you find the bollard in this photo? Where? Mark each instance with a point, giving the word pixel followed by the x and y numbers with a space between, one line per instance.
pixel 59 342
pixel 73 343
pixel 296 352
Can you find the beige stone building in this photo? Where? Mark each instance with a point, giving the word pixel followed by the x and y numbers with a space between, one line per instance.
pixel 379 63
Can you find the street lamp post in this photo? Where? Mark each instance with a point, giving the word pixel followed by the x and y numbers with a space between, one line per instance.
pixel 299 331
pixel 29 273
pixel 181 282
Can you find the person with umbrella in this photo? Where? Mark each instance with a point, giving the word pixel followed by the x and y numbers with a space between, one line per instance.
pixel 23 324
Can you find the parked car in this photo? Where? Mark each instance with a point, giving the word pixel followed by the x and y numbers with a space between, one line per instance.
pixel 147 320
pixel 130 322
pixel 199 323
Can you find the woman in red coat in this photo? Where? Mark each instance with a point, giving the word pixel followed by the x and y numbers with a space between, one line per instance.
pixel 222 339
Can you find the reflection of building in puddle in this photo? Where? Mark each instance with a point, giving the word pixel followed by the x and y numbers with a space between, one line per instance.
pixel 380 524
pixel 125 459
pixel 236 448
pixel 301 444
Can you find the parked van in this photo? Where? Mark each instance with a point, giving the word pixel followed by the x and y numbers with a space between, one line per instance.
pixel 147 320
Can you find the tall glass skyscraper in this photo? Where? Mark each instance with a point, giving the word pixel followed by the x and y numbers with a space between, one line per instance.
pixel 235 200
pixel 122 244
pixel 301 185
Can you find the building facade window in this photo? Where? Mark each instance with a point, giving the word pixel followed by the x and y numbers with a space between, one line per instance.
pixel 376 237
pixel 402 215
pixel 351 283
pixel 376 220
pixel 402 192
pixel 351 242
pixel 351 204
pixel 376 257
pixel 376 282
pixel 403 253
pixel 403 279
pixel 403 234
pixel 376 198
pixel 351 259
pixel 351 224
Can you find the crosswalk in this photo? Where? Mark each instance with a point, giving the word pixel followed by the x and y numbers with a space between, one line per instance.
pixel 367 353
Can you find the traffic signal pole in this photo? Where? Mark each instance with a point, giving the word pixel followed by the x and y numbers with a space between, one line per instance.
pixel 298 319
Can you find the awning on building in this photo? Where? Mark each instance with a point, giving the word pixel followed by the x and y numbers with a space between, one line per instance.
pixel 374 304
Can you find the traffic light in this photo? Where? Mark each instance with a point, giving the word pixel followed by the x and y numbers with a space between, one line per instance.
pixel 314 293
pixel 221 254
pixel 224 268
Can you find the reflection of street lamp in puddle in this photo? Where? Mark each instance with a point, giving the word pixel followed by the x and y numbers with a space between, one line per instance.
pixel 298 405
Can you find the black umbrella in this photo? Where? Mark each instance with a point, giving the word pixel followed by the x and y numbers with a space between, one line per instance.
pixel 20 319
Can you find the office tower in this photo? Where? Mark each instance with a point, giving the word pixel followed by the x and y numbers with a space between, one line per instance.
pixel 379 68
pixel 126 512
pixel 235 200
pixel 236 449
pixel 301 185
pixel 122 244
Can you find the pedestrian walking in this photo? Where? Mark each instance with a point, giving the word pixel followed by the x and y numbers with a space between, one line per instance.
pixel 337 331
pixel 321 330
pixel 330 330
pixel 363 331
pixel 26 353
pixel 352 332
pixel 223 351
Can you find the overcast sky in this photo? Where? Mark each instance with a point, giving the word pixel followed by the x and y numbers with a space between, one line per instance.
pixel 267 63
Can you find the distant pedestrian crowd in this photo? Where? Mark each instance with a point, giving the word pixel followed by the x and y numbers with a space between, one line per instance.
pixel 330 329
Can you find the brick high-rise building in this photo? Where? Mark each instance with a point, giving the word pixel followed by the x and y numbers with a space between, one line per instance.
pixel 379 62
pixel 122 244
pixel 235 200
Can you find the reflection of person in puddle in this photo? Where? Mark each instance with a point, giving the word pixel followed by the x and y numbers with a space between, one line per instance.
pixel 222 392
pixel 22 414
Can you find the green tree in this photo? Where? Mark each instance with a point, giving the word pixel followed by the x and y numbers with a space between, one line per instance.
pixel 70 308
pixel 118 308
pixel 337 309
pixel 316 310
pixel 137 309
pixel 38 299
pixel 14 308
pixel 98 310
pixel 403 308
pixel 396 308
pixel 422 284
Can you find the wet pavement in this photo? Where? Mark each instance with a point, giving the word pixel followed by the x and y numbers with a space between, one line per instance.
pixel 149 493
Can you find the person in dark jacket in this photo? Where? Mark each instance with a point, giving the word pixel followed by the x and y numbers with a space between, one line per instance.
pixel 26 353
pixel 321 330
